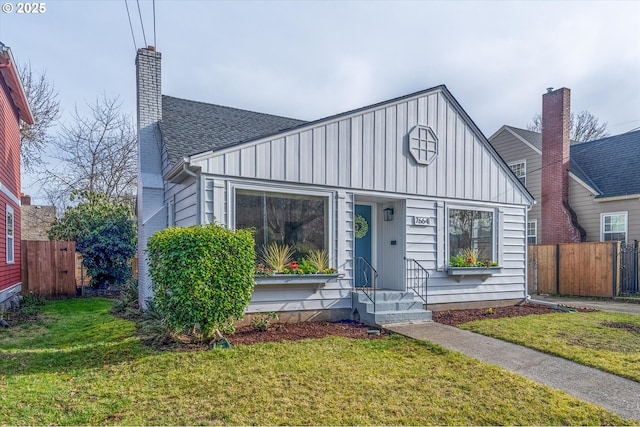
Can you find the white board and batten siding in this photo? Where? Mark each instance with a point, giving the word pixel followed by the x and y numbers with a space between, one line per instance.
pixel 368 150
pixel 428 245
pixel 365 154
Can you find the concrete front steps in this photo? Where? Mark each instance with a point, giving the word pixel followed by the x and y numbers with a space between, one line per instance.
pixel 391 307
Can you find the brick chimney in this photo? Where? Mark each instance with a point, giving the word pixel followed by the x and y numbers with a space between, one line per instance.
pixel 559 222
pixel 152 214
pixel 25 199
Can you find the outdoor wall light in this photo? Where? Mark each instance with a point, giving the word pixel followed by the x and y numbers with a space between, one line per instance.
pixel 388 214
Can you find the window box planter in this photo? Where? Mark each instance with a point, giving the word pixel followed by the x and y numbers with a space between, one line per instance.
pixel 484 272
pixel 316 280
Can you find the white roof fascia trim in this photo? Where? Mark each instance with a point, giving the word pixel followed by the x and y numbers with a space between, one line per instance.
pixel 617 198
pixel 496 133
pixel 14 198
pixel 524 141
pixel 584 184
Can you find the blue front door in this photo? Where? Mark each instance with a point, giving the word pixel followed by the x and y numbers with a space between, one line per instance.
pixel 363 230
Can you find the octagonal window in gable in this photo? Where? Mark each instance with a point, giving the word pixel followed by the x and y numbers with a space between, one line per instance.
pixel 423 144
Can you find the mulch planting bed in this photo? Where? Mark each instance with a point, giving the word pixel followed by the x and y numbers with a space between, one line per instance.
pixel 457 317
pixel 296 331
pixel 302 330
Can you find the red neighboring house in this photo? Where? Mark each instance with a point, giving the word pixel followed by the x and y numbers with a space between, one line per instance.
pixel 13 108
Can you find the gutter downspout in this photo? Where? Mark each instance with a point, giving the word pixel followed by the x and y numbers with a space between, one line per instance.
pixel 527 298
pixel 553 305
pixel 185 169
pixel 526 255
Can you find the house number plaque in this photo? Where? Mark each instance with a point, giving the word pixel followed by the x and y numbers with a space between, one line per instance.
pixel 420 220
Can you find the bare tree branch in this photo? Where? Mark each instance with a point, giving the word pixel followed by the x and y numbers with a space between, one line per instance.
pixel 584 127
pixel 43 100
pixel 95 153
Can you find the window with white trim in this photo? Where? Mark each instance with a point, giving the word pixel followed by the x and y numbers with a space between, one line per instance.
pixel 613 226
pixel 520 169
pixel 10 233
pixel 472 230
pixel 298 220
pixel 532 232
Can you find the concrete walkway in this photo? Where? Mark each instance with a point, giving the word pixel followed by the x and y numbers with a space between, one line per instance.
pixel 620 395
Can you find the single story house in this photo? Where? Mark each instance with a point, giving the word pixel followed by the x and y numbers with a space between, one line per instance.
pixel 392 191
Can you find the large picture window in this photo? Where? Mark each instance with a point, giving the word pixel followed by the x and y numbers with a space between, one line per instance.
pixel 10 232
pixel 300 221
pixel 472 230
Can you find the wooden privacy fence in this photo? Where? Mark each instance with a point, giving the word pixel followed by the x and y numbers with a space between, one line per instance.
pixel 54 269
pixel 581 269
pixel 48 268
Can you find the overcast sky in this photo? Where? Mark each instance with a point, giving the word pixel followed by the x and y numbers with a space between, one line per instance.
pixel 309 60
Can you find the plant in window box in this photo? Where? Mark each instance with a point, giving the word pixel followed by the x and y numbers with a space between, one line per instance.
pixel 277 257
pixel 318 260
pixel 470 257
pixel 293 268
pixel 263 270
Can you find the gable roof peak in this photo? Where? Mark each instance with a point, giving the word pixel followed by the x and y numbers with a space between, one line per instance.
pixel 9 72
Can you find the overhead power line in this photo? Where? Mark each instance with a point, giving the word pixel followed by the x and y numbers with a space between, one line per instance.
pixel 135 45
pixel 154 23
pixel 144 36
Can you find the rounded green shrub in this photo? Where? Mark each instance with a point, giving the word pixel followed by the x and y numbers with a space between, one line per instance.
pixel 202 276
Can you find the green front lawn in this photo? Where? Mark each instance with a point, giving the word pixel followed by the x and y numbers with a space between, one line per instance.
pixel 85 366
pixel 603 340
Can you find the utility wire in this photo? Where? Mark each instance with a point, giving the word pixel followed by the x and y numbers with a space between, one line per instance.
pixel 144 36
pixel 135 45
pixel 154 23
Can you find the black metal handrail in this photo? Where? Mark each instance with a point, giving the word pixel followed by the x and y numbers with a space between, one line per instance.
pixel 369 289
pixel 417 278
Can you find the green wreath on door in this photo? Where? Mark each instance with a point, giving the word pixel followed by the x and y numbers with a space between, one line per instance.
pixel 361 226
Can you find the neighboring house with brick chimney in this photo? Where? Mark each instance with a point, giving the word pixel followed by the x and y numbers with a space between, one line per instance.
pixel 398 187
pixel 586 191
pixel 13 108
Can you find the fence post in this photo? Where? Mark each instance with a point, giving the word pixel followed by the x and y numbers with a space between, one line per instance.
pixel 615 248
pixel 557 269
pixel 636 261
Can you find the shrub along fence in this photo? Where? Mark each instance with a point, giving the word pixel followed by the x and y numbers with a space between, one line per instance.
pixel 581 269
pixel 81 272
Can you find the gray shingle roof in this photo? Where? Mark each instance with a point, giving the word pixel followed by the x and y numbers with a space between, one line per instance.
pixel 612 163
pixel 191 127
pixel 609 165
pixel 581 175
pixel 534 138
